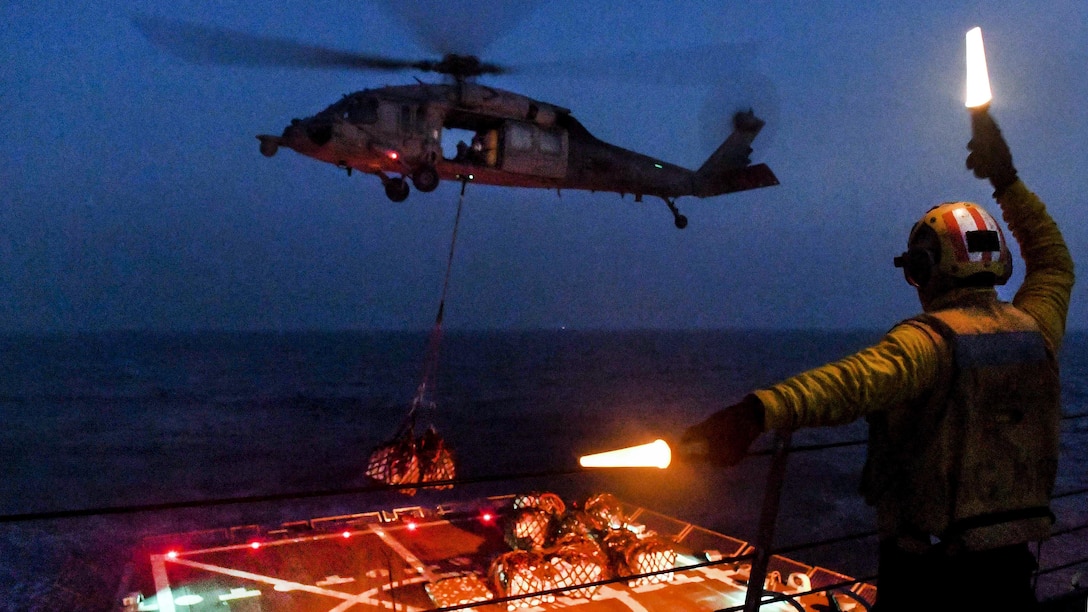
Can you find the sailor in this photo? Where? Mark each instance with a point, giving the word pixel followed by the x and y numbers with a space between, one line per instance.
pixel 476 150
pixel 962 402
pixel 471 154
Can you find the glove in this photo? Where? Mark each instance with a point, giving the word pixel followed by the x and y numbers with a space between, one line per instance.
pixel 724 438
pixel 990 157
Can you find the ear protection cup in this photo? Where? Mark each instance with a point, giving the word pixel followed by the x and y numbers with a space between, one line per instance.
pixel 917 264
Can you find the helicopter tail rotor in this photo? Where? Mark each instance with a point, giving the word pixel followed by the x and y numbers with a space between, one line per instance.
pixel 729 168
pixel 735 94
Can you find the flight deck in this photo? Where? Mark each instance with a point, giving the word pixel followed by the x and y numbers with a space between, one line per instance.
pixel 503 553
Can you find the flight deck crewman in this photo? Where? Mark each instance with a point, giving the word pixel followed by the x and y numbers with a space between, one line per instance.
pixel 962 402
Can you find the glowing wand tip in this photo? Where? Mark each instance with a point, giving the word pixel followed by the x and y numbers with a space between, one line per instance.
pixel 655 454
pixel 978 79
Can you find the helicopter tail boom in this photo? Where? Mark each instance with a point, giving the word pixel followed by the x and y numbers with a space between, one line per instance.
pixel 728 169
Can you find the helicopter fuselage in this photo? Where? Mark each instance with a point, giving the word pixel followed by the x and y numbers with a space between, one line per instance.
pixel 396 134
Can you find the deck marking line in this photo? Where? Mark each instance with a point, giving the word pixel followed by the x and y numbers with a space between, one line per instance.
pixel 164 597
pixel 334 580
pixel 623 597
pixel 295 586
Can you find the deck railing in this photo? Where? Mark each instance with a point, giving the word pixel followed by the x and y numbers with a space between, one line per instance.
pixel 1077 587
pixel 1056 570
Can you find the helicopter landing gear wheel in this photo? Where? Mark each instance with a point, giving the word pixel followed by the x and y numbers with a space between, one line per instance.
pixel 396 189
pixel 425 178
pixel 680 220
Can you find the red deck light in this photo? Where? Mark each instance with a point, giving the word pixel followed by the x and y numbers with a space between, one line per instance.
pixel 346 534
pixel 412 525
pixel 392 155
pixel 487 517
pixel 173 554
pixel 254 545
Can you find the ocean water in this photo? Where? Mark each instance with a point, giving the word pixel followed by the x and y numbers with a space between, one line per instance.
pixel 121 419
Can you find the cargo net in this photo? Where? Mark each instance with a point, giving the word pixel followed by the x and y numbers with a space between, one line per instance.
pixel 411 459
pixel 634 555
pixel 458 591
pixel 566 549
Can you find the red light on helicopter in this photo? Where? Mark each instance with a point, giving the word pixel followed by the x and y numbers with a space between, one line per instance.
pixel 254 545
pixel 392 155
pixel 487 517
pixel 412 526
pixel 346 534
pixel 173 554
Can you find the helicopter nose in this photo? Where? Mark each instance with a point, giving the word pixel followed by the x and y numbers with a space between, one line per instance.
pixel 306 135
pixel 294 136
pixel 319 133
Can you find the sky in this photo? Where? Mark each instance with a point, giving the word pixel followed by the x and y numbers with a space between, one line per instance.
pixel 133 195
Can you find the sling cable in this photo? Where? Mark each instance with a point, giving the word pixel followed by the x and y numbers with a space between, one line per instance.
pixel 408 458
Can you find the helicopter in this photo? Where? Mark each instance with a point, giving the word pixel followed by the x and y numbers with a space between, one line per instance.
pixel 396 132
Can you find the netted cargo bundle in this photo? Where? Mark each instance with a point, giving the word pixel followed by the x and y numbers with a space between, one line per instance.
pixel 583 545
pixel 406 459
pixel 520 572
pixel 526 500
pixel 606 511
pixel 435 459
pixel 528 529
pixel 577 563
pixel 395 462
pixel 548 502
pixel 576 523
pixel 458 591
pixel 616 543
pixel 631 555
pixel 651 555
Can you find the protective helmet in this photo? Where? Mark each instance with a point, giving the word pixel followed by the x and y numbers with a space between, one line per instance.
pixel 956 240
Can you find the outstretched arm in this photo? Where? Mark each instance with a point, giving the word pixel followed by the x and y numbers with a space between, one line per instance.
pixel 1048 282
pixel 902 366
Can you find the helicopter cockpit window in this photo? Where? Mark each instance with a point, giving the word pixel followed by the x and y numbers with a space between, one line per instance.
pixel 361 110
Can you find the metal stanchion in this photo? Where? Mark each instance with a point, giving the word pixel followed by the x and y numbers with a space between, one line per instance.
pixel 776 476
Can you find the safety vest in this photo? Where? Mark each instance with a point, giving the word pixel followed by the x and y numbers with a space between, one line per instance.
pixel 973 462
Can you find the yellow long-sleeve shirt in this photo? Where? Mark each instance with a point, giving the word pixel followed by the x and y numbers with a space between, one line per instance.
pixel 910 358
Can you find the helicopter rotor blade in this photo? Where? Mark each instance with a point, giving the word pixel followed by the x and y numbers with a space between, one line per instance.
pixel 203 44
pixel 724 76
pixel 464 27
pixel 685 66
